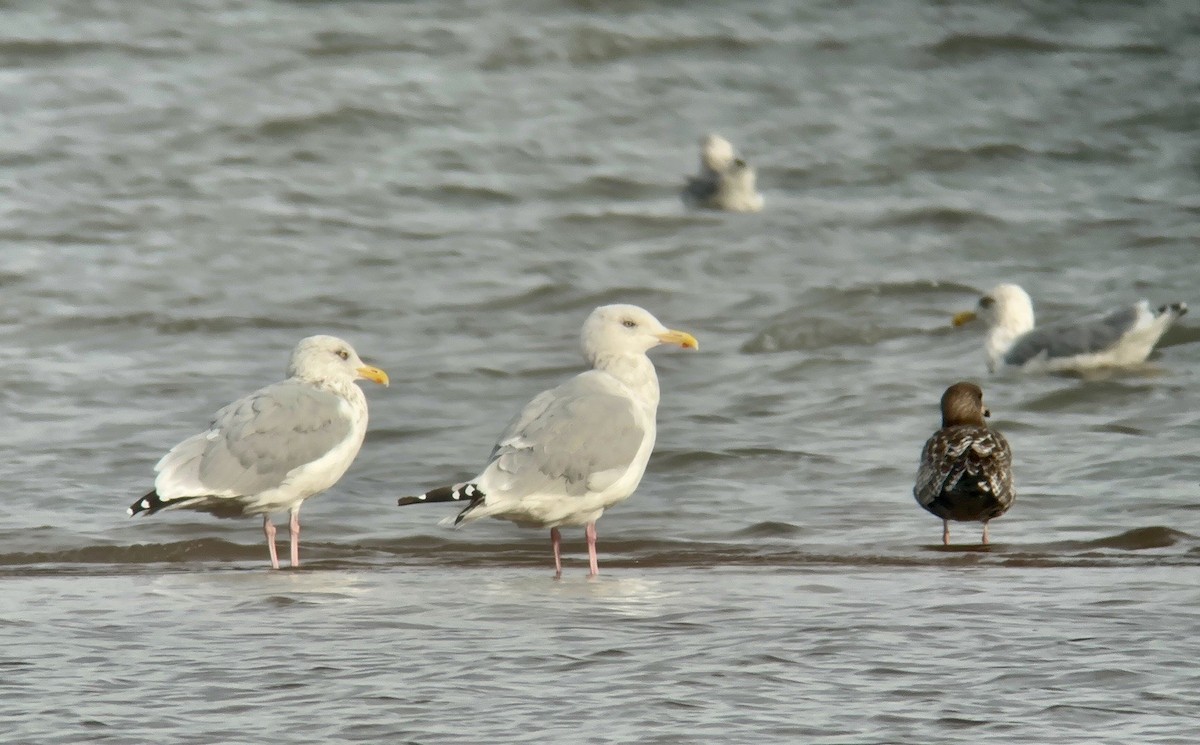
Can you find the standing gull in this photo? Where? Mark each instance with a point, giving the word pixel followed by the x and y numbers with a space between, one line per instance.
pixel 582 447
pixel 725 182
pixel 966 468
pixel 1122 337
pixel 273 449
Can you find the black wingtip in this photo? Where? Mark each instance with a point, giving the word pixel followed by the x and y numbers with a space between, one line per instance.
pixel 1178 309
pixel 460 493
pixel 149 504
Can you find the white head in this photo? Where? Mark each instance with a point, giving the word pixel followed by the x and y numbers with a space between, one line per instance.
pixel 1008 313
pixel 1007 307
pixel 328 359
pixel 624 330
pixel 716 153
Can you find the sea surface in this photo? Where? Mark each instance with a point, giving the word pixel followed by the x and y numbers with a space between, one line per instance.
pixel 188 188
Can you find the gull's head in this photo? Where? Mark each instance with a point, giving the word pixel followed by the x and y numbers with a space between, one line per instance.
pixel 716 152
pixel 328 358
pixel 617 330
pixel 962 403
pixel 1006 307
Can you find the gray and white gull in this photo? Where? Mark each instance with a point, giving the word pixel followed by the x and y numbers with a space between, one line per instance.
pixel 580 448
pixel 1122 337
pixel 273 449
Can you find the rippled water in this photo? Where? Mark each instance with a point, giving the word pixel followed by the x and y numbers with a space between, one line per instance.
pixel 188 189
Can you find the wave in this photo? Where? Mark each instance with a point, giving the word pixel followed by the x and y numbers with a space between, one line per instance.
pixel 965 46
pixel 20 52
pixel 591 44
pixel 855 316
pixel 937 216
pixel 209 325
pixel 349 43
pixel 351 119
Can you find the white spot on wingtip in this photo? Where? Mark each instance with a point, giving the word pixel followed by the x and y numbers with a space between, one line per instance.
pixel 145 504
pixel 129 511
pixel 422 497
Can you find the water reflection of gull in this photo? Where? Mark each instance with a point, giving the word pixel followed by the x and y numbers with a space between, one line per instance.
pixel 255 587
pixel 627 596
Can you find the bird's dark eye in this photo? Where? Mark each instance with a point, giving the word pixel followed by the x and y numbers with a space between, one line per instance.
pixel 629 324
pixel 986 302
pixel 343 354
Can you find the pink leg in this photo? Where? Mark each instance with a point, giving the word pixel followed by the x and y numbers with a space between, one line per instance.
pixel 590 532
pixel 556 543
pixel 294 531
pixel 985 533
pixel 945 532
pixel 269 530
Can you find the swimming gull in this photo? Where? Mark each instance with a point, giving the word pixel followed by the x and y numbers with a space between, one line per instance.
pixel 273 449
pixel 725 182
pixel 582 447
pixel 1122 337
pixel 966 468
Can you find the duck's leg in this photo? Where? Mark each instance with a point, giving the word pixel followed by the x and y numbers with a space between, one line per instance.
pixel 985 532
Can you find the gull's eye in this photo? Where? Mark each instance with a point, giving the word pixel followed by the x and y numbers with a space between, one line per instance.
pixel 629 324
pixel 986 302
pixel 343 354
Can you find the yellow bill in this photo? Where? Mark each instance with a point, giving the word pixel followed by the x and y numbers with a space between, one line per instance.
pixel 679 338
pixel 965 317
pixel 373 374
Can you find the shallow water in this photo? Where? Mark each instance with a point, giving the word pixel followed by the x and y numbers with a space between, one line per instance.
pixel 188 190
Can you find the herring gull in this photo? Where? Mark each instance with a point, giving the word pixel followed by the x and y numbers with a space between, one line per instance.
pixel 580 448
pixel 273 449
pixel 725 182
pixel 1124 336
pixel 966 468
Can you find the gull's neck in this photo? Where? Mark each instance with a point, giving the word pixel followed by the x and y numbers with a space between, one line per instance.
pixel 636 372
pixel 1004 332
pixel 338 385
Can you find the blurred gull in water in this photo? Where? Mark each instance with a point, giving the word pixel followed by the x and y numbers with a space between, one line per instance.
pixel 1122 337
pixel 582 447
pixel 725 182
pixel 273 449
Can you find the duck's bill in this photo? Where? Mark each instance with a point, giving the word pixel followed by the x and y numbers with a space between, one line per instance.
pixel 679 338
pixel 373 374
pixel 963 318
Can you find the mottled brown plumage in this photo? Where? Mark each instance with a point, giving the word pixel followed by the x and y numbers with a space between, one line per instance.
pixel 966 468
